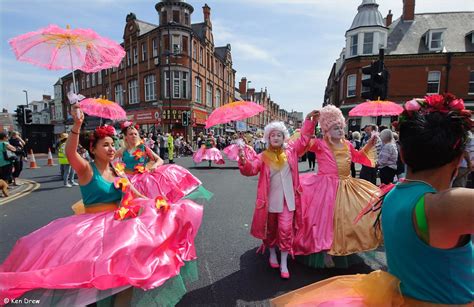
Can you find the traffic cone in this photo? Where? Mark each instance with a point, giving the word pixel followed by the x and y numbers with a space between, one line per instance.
pixel 32 160
pixel 50 158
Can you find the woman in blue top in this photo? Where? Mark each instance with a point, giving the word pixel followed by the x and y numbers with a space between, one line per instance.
pixel 146 171
pixel 120 242
pixel 427 225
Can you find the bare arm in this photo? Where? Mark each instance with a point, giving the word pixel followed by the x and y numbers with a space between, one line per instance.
pixel 78 163
pixel 450 217
pixel 153 156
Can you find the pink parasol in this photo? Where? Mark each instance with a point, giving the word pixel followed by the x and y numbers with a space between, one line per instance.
pixel 376 108
pixel 55 48
pixel 233 111
pixel 102 108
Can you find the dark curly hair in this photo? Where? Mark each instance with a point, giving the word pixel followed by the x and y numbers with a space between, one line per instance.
pixel 431 140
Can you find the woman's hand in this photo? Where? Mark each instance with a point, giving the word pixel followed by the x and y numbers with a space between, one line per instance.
pixel 242 156
pixel 77 114
pixel 313 115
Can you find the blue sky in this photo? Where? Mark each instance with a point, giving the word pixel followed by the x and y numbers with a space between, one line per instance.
pixel 288 46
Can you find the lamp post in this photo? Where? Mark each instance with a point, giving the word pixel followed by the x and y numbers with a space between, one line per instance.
pixel 169 53
pixel 26 92
pixel 247 97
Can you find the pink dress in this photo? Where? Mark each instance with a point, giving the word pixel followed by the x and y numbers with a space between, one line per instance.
pixel 331 201
pixel 170 180
pixel 208 152
pixel 232 152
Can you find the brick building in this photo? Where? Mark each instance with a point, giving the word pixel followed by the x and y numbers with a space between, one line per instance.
pixel 202 77
pixel 425 53
pixel 272 110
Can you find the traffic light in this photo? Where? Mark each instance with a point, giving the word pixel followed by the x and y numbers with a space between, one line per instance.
pixel 19 116
pixel 377 83
pixel 28 115
pixel 185 119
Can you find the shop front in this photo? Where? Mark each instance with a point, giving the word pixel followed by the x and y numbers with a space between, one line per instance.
pixel 149 120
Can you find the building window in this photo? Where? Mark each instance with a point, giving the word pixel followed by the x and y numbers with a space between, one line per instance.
pixel 129 58
pixel 471 83
pixel 209 95
pixel 175 41
pixel 99 77
pixel 201 51
pixel 368 43
pixel 186 19
pixel 135 55
pixel 436 40
pixel 433 82
pixel 180 84
pixel 83 83
pixel 93 79
pixel 354 40
pixel 176 16
pixel 155 48
pixel 144 55
pixel 184 85
pixel 176 84
pixel 107 93
pixel 198 90
pixel 88 81
pixel 194 51
pixel 132 92
pixel 150 85
pixel 185 44
pixel 351 86
pixel 365 88
pixel 119 94
pixel 164 17
pixel 218 98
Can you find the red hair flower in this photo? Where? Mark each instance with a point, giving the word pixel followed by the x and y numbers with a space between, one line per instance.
pixel 435 101
pixel 457 104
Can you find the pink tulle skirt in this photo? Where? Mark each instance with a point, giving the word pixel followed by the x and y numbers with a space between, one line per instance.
pixel 170 180
pixel 209 154
pixel 97 251
pixel 232 152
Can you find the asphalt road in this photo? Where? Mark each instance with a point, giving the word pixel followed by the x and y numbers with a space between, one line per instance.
pixel 230 271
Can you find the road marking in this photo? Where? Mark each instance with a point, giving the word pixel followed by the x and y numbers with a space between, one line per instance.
pixel 31 186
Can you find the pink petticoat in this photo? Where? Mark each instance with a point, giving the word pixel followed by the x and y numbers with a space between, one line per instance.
pixel 210 154
pixel 95 250
pixel 171 181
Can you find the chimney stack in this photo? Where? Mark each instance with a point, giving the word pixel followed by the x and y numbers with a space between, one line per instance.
pixel 388 19
pixel 243 86
pixel 408 10
pixel 206 11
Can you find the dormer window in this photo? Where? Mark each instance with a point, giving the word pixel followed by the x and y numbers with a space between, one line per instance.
pixel 470 37
pixel 434 39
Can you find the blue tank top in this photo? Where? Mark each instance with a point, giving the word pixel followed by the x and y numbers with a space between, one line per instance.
pixel 131 162
pixel 443 276
pixel 99 190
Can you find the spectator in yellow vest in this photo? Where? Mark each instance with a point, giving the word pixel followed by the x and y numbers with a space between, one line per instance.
pixel 67 172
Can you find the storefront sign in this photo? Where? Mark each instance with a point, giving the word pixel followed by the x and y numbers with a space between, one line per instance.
pixel 199 117
pixel 149 116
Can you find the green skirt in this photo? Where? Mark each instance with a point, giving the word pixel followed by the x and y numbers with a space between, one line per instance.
pixel 168 294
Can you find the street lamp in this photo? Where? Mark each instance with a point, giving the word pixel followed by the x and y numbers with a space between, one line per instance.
pixel 26 92
pixel 169 53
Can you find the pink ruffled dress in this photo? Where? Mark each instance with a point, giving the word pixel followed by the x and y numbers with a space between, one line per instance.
pixel 208 152
pixel 170 180
pixel 94 255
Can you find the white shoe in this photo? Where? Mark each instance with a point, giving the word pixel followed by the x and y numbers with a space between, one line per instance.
pixel 75 183
pixel 68 185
